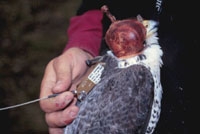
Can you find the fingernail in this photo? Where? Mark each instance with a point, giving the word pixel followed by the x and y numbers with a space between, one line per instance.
pixel 73 114
pixel 67 99
pixel 59 83
pixel 67 102
pixel 58 86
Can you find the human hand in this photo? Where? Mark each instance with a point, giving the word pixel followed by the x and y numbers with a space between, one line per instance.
pixel 62 74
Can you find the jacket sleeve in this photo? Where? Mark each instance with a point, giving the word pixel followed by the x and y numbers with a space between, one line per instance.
pixel 85 31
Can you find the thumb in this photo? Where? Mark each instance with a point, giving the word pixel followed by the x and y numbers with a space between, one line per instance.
pixel 63 76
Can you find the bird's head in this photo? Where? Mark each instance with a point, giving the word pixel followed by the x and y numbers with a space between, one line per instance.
pixel 125 37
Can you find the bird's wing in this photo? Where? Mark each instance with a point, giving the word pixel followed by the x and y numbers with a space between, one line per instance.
pixel 120 103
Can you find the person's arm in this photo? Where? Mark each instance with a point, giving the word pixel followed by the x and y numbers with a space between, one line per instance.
pixel 85 32
pixel 64 72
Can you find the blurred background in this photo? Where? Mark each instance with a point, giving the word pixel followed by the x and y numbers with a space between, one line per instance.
pixel 32 32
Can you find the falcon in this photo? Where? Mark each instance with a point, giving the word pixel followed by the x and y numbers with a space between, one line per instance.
pixel 125 97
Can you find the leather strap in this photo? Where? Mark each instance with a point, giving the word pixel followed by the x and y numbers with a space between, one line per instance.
pixel 92 77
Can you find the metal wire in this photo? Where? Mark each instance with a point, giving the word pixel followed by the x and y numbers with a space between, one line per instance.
pixel 28 102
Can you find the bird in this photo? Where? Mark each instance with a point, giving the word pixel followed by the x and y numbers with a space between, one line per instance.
pixel 126 95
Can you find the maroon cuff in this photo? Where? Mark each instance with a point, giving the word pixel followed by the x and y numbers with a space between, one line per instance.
pixel 85 32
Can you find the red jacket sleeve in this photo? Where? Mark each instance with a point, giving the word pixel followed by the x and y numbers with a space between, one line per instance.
pixel 85 32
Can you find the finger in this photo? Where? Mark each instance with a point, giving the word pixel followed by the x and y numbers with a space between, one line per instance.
pixel 56 130
pixel 57 103
pixel 63 72
pixel 62 118
pixel 47 85
pixel 48 81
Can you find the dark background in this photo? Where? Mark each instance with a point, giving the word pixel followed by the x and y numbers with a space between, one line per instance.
pixel 32 32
